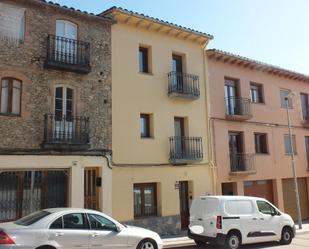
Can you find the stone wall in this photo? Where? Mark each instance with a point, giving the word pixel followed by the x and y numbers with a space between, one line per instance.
pixel 164 226
pixel 25 61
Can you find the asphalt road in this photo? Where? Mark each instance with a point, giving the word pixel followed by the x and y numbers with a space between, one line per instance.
pixel 301 241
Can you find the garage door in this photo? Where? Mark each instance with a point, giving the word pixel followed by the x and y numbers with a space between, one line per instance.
pixel 263 188
pixel 289 197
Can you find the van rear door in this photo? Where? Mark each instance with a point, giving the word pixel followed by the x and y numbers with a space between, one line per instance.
pixel 203 214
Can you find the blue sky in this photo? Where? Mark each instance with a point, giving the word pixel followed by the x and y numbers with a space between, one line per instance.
pixel 271 31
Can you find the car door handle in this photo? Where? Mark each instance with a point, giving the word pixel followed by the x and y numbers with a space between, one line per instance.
pixel 95 235
pixel 261 218
pixel 59 234
pixel 254 218
pixel 200 219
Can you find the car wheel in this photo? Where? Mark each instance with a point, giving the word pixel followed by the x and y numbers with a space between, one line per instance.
pixel 147 244
pixel 232 241
pixel 286 236
pixel 199 243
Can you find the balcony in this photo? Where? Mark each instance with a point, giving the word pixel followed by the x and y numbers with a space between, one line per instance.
pixel 238 108
pixel 184 150
pixel 183 85
pixel 242 164
pixel 68 55
pixel 66 132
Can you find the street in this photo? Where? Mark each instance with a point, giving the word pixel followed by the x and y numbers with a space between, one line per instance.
pixel 299 242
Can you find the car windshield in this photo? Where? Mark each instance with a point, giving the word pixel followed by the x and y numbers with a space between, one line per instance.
pixel 32 218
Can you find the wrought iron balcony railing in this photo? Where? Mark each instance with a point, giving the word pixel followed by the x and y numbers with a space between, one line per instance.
pixel 238 108
pixel 242 163
pixel 68 54
pixel 185 149
pixel 183 85
pixel 66 132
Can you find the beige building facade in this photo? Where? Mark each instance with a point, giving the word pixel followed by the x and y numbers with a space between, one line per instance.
pixel 160 141
pixel 249 129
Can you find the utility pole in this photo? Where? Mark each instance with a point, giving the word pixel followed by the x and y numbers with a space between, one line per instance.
pixel 288 99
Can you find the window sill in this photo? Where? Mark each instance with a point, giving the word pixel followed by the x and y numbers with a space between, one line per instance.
pixel 295 154
pixel 145 217
pixel 262 154
pixel 10 115
pixel 257 103
pixel 147 138
pixel 148 74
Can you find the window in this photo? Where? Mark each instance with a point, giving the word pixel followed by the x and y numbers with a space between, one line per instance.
pixel 98 222
pixel 145 125
pixel 305 105
pixel 260 143
pixel 307 150
pixel 265 208
pixel 57 224
pixel 12 22
pixel 32 218
pixel 285 103
pixel 74 221
pixel 10 96
pixel 143 60
pixel 145 199
pixel 287 145
pixel 256 93
pixel 238 207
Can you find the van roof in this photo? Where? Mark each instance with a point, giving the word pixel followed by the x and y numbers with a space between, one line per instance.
pixel 232 197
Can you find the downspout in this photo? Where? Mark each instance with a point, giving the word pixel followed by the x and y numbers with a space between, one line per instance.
pixel 212 163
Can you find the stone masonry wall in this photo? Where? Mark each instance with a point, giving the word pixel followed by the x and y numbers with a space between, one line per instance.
pixel 25 61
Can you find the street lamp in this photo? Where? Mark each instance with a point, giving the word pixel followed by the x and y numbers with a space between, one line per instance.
pixel 288 100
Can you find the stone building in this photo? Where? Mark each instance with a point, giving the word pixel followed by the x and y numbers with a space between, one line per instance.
pixel 55 108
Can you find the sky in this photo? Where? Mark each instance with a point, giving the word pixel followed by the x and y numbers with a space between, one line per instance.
pixel 271 31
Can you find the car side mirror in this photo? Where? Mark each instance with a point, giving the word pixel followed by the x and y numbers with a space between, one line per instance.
pixel 118 229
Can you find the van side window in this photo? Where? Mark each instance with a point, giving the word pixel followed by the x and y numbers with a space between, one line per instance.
pixel 265 208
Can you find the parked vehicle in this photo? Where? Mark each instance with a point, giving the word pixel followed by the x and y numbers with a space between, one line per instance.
pixel 74 228
pixel 236 220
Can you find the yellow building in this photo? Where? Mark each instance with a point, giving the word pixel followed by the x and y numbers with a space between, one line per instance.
pixel 159 138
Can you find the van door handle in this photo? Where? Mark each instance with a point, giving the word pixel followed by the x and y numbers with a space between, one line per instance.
pixel 261 218
pixel 254 218
pixel 95 235
pixel 200 219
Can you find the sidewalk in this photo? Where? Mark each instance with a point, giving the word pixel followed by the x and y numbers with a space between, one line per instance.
pixel 185 241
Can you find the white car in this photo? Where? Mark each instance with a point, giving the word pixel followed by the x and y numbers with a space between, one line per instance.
pixel 74 228
pixel 236 220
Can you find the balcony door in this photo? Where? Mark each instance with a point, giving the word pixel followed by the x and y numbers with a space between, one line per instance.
pixel 66 46
pixel 236 151
pixel 179 137
pixel 63 121
pixel 305 105
pixel 231 94
pixel 177 70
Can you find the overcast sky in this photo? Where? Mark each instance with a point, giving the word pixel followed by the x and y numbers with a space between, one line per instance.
pixel 271 31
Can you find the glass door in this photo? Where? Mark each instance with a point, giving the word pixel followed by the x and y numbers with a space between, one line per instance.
pixel 63 126
pixel 236 151
pixel 179 137
pixel 230 97
pixel 177 71
pixel 66 44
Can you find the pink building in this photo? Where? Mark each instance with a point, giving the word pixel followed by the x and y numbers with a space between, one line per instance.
pixel 249 125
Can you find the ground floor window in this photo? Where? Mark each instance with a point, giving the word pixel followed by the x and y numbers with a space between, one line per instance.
pixel 23 192
pixel 145 199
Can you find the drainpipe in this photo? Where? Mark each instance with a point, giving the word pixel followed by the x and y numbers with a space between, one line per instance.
pixel 209 124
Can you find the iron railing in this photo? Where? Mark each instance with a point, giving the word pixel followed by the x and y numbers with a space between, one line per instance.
pixel 68 54
pixel 62 129
pixel 186 149
pixel 238 106
pixel 241 162
pixel 183 84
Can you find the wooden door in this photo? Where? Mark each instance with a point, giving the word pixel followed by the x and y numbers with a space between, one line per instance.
pixel 184 204
pixel 91 188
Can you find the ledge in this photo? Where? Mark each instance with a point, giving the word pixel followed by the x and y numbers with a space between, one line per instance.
pixel 241 173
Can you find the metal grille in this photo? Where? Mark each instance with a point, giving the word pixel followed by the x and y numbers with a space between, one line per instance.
pixel 238 106
pixel 183 83
pixel 241 162
pixel 23 192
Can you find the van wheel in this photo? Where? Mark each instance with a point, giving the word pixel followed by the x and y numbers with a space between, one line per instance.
pixel 232 241
pixel 199 243
pixel 286 236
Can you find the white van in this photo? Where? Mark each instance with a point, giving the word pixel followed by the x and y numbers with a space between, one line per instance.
pixel 236 220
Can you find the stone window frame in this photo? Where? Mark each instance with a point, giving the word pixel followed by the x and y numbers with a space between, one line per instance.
pixel 10 96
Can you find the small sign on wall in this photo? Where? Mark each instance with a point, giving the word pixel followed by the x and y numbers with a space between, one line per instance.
pixel 176 185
